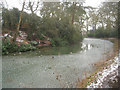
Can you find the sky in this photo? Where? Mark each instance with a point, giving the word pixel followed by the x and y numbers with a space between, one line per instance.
pixel 18 3
pixel 93 3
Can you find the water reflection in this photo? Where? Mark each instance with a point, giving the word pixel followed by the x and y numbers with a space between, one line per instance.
pixel 71 49
pixel 86 47
pixel 52 67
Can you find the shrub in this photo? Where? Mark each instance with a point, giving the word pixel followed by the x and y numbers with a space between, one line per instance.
pixel 26 47
pixel 59 42
pixel 10 47
pixel 101 33
pixel 53 43
pixel 34 43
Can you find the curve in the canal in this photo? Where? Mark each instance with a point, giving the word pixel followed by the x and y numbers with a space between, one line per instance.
pixel 56 67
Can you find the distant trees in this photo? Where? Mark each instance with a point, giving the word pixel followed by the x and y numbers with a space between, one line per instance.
pixel 110 13
pixel 10 18
pixel 58 17
pixel 102 33
pixel 106 19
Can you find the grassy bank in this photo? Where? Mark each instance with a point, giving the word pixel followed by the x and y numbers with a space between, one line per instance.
pixel 102 64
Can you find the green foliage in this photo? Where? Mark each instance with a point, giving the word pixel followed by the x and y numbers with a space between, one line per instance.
pixel 62 33
pixel 53 43
pixel 34 43
pixel 10 47
pixel 59 42
pixel 101 33
pixel 26 47
pixel 54 23
pixel 10 18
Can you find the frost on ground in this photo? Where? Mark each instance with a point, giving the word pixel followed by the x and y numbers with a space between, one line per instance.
pixel 108 78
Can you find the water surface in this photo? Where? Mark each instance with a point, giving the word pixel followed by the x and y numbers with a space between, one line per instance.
pixel 55 67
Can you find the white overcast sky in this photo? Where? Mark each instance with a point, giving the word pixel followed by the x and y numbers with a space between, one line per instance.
pixel 17 3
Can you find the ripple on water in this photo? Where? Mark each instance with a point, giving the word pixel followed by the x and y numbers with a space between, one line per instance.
pixel 69 63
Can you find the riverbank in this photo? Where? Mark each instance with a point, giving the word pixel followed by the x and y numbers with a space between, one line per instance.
pixel 92 81
pixel 107 78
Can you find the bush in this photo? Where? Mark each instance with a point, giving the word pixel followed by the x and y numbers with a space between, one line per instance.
pixel 59 29
pixel 34 43
pixel 103 33
pixel 60 42
pixel 53 43
pixel 26 47
pixel 66 33
pixel 10 47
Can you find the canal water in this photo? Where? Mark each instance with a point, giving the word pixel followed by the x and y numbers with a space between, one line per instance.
pixel 53 67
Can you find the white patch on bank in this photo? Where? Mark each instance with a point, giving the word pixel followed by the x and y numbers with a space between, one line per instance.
pixel 101 76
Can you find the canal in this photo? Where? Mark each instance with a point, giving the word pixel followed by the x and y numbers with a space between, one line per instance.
pixel 53 67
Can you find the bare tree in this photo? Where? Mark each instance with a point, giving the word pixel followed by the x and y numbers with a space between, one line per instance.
pixel 18 27
pixel 32 6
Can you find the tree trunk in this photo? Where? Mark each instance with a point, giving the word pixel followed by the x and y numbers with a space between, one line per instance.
pixel 95 27
pixel 87 26
pixel 73 14
pixel 18 27
pixel 102 25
